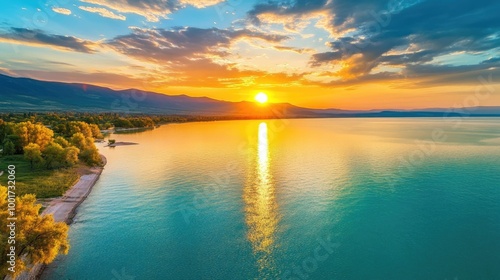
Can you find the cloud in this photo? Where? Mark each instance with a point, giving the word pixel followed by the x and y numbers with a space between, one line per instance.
pixel 339 16
pixel 420 75
pixel 294 49
pixel 40 38
pixel 62 11
pixel 181 44
pixel 103 12
pixel 294 8
pixel 205 73
pixel 405 36
pixel 408 35
pixel 294 15
pixel 58 63
pixel 193 55
pixel 201 3
pixel 152 10
pixel 435 75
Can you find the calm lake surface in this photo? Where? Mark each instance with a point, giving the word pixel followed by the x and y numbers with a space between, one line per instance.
pixel 295 199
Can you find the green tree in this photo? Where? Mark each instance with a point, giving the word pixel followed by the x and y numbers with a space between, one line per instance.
pixel 61 141
pixel 88 151
pixel 9 148
pixel 39 239
pixel 71 155
pixel 16 140
pixel 3 131
pixel 107 125
pixel 53 155
pixel 33 154
pixel 123 122
pixel 61 129
pixel 91 156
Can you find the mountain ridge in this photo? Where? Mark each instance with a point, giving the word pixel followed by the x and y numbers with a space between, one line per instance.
pixel 20 94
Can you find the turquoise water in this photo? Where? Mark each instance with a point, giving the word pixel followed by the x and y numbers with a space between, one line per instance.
pixel 294 199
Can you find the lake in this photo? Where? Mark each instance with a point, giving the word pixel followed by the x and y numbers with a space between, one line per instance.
pixel 294 199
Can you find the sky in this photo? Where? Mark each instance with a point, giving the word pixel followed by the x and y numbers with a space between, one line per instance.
pixel 346 54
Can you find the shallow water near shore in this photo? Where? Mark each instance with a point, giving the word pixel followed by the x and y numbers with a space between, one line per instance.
pixel 294 199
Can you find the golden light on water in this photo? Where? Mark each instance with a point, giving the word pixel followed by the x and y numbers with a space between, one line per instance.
pixel 263 156
pixel 261 207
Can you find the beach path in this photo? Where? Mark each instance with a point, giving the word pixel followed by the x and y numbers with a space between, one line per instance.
pixel 64 208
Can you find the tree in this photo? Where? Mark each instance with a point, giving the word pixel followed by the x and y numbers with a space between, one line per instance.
pixel 88 151
pixel 78 140
pixel 96 132
pixel 3 131
pixel 33 154
pixel 29 132
pixel 91 156
pixel 123 122
pixel 53 155
pixel 71 155
pixel 107 125
pixel 61 141
pixel 16 140
pixel 9 148
pixel 80 127
pixel 39 239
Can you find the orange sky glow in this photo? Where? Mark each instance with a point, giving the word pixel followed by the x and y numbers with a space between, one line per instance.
pixel 318 55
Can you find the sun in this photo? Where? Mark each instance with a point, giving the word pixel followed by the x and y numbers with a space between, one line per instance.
pixel 261 97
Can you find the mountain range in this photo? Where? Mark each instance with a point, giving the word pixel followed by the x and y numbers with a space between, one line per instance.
pixel 29 95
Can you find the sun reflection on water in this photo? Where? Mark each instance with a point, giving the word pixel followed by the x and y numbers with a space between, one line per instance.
pixel 261 207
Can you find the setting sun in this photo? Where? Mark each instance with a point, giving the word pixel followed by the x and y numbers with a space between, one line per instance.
pixel 261 97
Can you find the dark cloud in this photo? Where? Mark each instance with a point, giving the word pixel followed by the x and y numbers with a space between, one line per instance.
pixel 430 70
pixel 426 75
pixel 435 75
pixel 426 30
pixel 494 60
pixel 289 8
pixel 180 44
pixel 320 58
pixel 39 37
pixel 405 34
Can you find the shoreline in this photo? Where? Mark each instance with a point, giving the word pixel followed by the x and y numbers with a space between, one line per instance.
pixel 117 144
pixel 64 208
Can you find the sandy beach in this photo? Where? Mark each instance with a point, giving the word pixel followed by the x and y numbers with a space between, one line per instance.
pixel 64 208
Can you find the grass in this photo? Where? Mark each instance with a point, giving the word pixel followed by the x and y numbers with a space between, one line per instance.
pixel 40 181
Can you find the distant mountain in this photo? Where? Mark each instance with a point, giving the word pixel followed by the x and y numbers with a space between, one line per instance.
pixel 24 94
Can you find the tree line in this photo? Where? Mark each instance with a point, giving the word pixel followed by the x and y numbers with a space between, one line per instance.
pixel 59 121
pixel 41 146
